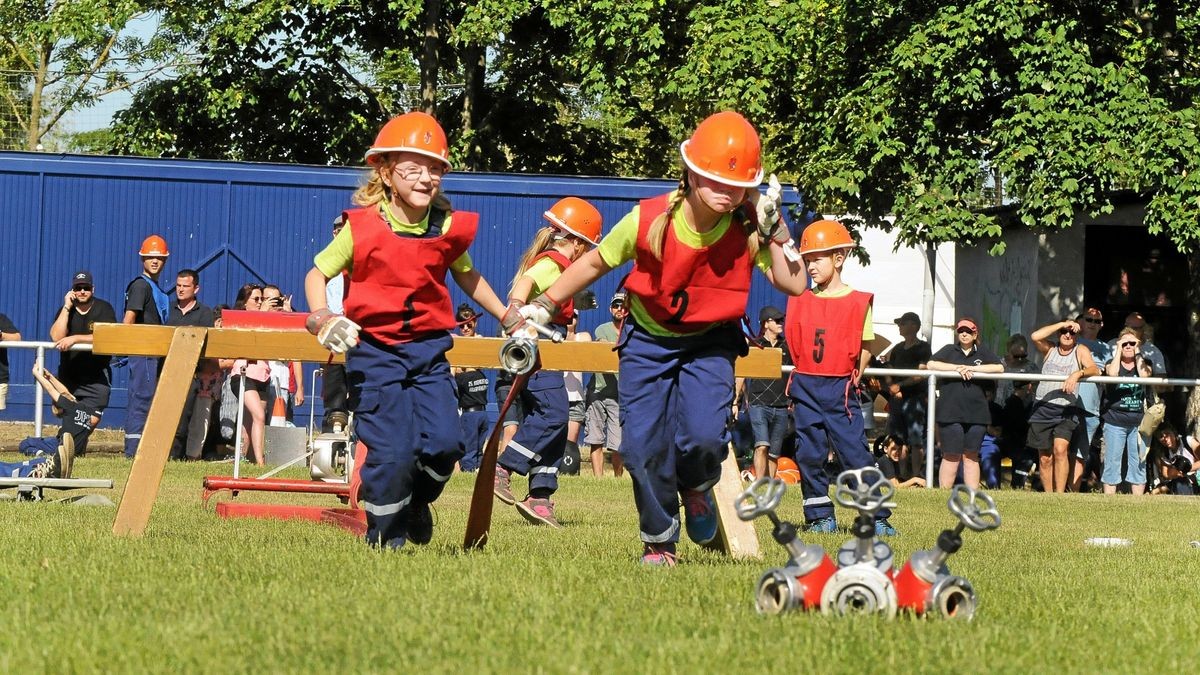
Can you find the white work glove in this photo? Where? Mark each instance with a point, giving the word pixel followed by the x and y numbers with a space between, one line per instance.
pixel 334 331
pixel 536 313
pixel 769 209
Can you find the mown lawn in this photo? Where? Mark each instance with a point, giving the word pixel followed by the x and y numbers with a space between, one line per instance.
pixel 198 593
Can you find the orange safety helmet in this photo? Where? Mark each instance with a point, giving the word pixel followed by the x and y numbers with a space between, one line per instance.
pixel 576 217
pixel 154 246
pixel 411 132
pixel 787 471
pixel 825 235
pixel 725 148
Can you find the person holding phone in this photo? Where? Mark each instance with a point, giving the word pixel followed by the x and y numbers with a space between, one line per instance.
pixel 287 377
pixel 1122 410
pixel 86 375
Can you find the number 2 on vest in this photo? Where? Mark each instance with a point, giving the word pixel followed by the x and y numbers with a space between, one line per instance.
pixel 678 299
pixel 406 316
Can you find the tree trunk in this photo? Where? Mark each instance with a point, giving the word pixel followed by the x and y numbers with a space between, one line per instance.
pixel 429 55
pixel 1193 317
pixel 474 59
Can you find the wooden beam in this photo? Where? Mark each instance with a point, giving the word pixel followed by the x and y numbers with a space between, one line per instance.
pixel 592 357
pixel 141 490
pixel 736 537
pixel 472 352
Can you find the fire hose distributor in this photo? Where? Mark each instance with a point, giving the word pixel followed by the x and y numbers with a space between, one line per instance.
pixel 799 583
pixel 924 585
pixel 863 581
pixel 519 353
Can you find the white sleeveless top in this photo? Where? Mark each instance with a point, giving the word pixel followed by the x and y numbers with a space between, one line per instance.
pixel 1057 363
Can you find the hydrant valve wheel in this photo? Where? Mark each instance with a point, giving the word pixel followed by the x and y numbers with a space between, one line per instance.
pixel 975 509
pixel 761 498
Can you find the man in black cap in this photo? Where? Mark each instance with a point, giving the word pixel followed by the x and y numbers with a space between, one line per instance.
pixel 767 401
pixel 906 395
pixel 86 375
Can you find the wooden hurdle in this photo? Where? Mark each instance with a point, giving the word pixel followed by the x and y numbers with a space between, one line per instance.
pixel 184 347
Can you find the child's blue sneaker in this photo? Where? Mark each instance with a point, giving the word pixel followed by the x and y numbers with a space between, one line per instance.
pixel 700 515
pixel 884 529
pixel 826 525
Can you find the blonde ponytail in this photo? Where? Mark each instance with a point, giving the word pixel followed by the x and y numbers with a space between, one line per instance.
pixel 657 235
pixel 543 240
pixel 371 192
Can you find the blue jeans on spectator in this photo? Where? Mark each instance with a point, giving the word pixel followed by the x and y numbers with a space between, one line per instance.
pixel 770 426
pixel 989 462
pixel 1122 442
pixel 906 419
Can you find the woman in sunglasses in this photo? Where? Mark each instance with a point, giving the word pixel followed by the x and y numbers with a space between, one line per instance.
pixel 962 408
pixel 1057 411
pixel 1122 412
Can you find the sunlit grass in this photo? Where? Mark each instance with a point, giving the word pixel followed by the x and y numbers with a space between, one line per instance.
pixel 198 593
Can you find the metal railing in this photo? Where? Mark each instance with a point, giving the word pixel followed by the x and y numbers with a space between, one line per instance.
pixel 39 360
pixel 932 376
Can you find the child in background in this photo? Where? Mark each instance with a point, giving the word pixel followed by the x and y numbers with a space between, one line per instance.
pixel 541 438
pixel 397 249
pixel 78 422
pixel 891 457
pixel 693 251
pixel 828 330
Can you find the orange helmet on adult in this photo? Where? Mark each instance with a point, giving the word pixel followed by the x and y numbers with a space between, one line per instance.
pixel 411 132
pixel 154 246
pixel 577 217
pixel 825 235
pixel 725 148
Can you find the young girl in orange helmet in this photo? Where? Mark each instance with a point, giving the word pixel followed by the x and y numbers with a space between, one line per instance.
pixel 827 330
pixel 397 248
pixel 693 251
pixel 541 438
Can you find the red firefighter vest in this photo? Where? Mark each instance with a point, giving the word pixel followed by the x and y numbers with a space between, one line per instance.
pixel 397 288
pixel 690 288
pixel 567 312
pixel 825 334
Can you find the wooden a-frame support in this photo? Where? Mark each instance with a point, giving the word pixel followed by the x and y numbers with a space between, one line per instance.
pixel 184 347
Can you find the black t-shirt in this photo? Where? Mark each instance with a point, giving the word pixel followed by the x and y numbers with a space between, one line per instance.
pixel 140 300
pixel 6 326
pixel 890 470
pixel 773 392
pixel 76 420
pixel 1124 403
pixel 963 401
pixel 910 358
pixel 472 387
pixel 76 368
pixel 201 316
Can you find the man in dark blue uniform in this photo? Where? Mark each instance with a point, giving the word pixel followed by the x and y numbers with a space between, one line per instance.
pixel 145 303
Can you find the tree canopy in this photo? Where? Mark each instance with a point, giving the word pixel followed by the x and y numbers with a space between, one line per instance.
pixel 66 55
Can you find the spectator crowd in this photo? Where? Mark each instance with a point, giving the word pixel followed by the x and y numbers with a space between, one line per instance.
pixel 1053 436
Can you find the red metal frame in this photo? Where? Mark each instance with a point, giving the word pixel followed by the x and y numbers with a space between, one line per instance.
pixel 351 520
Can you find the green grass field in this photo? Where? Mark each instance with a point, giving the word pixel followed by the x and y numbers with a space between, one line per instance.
pixel 198 593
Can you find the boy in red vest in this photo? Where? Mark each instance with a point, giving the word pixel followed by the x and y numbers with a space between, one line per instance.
pixel 827 330
pixel 397 250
